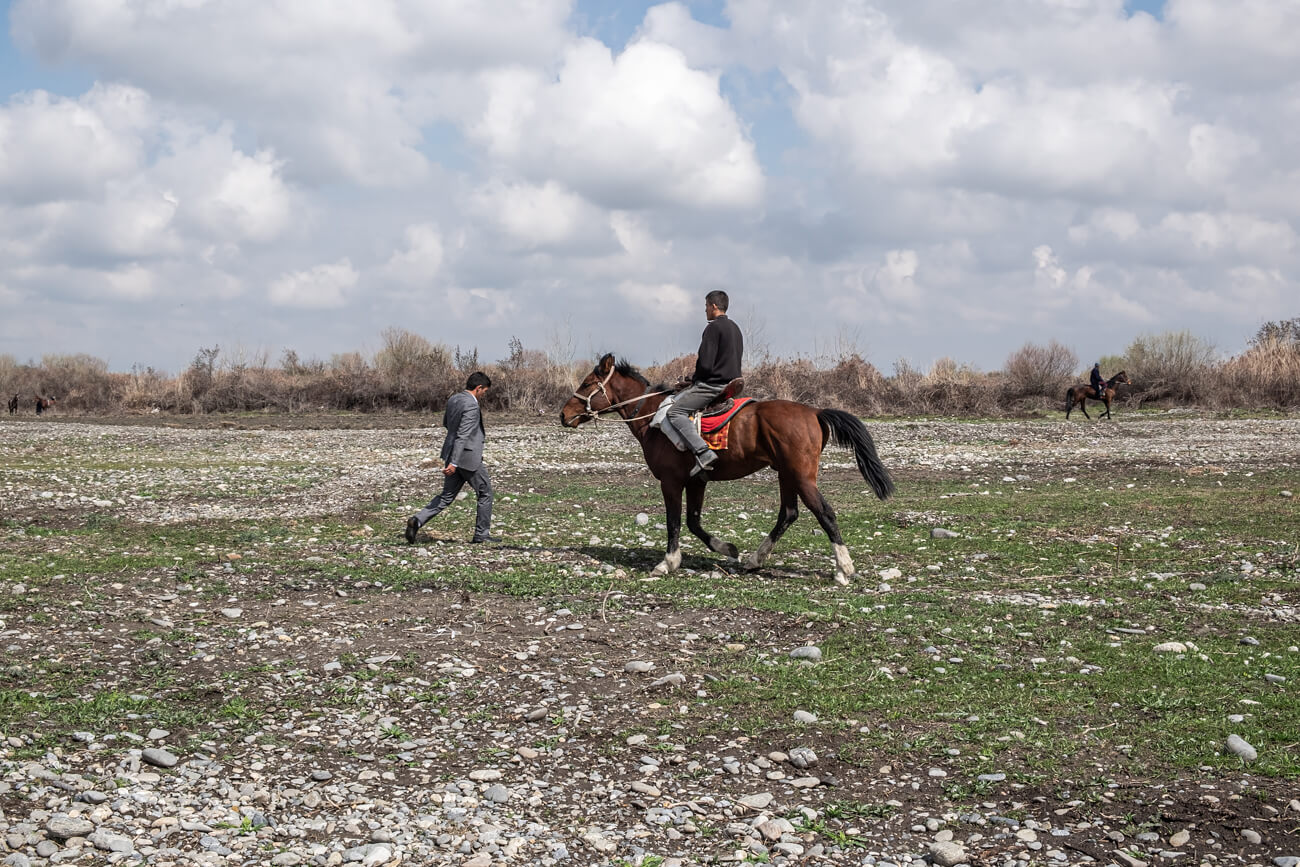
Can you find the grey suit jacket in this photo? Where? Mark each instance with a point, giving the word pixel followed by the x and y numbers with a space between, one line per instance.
pixel 463 446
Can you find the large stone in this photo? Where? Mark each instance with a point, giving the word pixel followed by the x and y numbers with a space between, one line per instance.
pixel 1238 746
pixel 947 854
pixel 62 827
pixel 159 757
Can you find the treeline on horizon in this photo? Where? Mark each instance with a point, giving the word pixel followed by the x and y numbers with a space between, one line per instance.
pixel 410 373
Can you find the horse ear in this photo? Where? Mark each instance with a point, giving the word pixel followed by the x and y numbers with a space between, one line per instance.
pixel 606 364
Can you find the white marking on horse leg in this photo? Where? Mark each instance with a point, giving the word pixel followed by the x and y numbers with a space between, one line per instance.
pixel 671 561
pixel 844 569
pixel 756 559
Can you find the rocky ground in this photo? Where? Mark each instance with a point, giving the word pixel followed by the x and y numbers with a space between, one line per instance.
pixel 335 719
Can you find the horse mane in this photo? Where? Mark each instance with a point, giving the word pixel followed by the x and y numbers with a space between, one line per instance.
pixel 625 368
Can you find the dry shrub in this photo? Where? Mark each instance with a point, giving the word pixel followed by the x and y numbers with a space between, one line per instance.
pixel 1266 375
pixel 24 380
pixel 350 384
pixel 1174 366
pixel 77 382
pixel 791 379
pixel 146 390
pixel 411 373
pixel 856 384
pixel 415 373
pixel 1039 371
pixel 669 371
pixel 528 381
pixel 948 388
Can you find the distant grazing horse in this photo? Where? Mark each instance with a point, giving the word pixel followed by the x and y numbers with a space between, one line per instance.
pixel 13 404
pixel 1079 395
pixel 787 436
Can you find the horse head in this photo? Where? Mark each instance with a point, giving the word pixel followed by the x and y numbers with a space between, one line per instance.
pixel 1118 378
pixel 610 383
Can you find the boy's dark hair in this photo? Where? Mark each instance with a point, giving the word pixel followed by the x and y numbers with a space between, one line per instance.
pixel 476 379
pixel 718 299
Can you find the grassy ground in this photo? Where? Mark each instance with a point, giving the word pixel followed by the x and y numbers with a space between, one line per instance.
pixel 1024 645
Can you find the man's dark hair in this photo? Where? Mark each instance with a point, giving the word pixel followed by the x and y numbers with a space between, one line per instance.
pixel 718 299
pixel 476 379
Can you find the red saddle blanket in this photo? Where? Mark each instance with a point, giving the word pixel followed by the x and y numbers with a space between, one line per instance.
pixel 714 427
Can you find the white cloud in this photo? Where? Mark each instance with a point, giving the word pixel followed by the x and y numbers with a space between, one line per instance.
pixel 895 279
pixel 541 215
pixel 941 177
pixel 342 90
pixel 324 286
pixel 661 302
pixel 54 149
pixel 419 262
pixel 632 131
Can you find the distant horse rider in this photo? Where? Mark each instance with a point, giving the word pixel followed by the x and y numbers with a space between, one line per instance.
pixel 40 405
pixel 716 364
pixel 13 405
pixel 1097 382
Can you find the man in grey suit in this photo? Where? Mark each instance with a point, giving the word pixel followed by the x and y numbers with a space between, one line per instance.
pixel 462 456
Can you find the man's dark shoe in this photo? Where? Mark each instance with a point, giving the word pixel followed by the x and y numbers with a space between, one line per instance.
pixel 477 539
pixel 703 462
pixel 412 527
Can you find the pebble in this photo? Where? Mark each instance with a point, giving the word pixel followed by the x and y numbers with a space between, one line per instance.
pixel 808 652
pixel 63 827
pixel 1170 647
pixel 159 757
pixel 1128 860
pixel 804 716
pixel 947 854
pixel 1238 746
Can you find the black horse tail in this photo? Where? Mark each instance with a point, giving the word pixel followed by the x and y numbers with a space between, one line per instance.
pixel 1069 399
pixel 849 431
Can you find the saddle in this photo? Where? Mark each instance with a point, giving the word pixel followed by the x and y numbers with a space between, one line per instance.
pixel 712 421
pixel 726 400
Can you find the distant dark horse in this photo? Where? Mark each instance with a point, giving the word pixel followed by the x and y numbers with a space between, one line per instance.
pixel 13 404
pixel 787 436
pixel 1079 395
pixel 43 403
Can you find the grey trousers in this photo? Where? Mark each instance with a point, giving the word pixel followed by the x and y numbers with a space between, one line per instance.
pixel 689 400
pixel 451 485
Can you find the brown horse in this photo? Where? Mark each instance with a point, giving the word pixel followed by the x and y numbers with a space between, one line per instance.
pixel 787 436
pixel 1079 395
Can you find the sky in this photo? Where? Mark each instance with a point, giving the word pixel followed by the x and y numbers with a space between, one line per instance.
pixel 908 179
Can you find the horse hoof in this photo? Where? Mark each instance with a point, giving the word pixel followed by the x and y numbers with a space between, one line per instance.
pixel 842 579
pixel 732 551
pixel 660 569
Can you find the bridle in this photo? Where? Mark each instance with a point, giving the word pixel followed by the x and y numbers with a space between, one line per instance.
pixel 595 414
